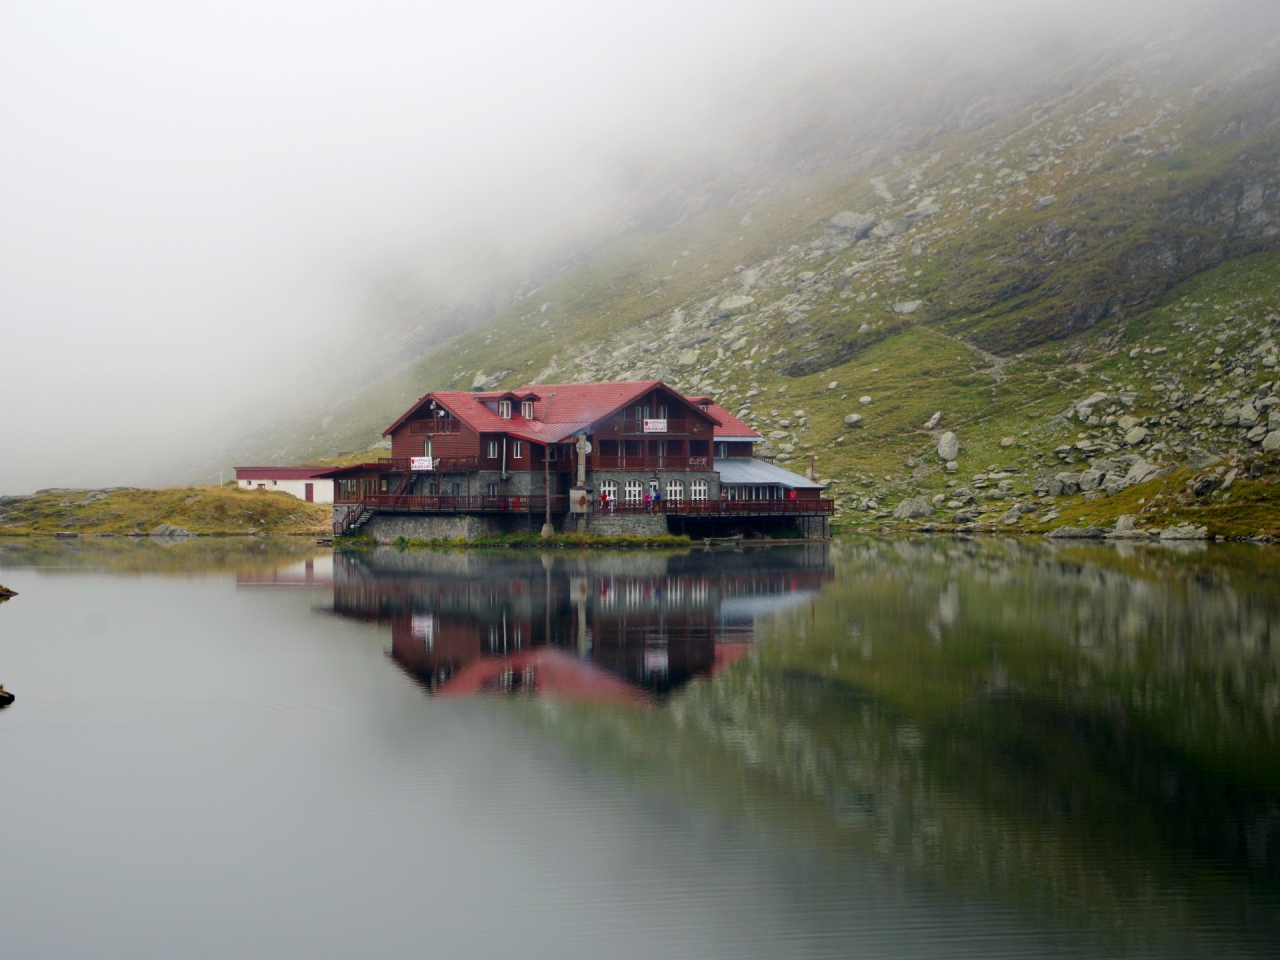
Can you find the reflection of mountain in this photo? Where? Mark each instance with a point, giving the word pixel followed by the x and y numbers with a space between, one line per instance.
pixel 472 622
pixel 1079 729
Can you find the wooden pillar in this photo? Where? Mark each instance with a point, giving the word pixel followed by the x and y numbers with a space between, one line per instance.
pixel 547 529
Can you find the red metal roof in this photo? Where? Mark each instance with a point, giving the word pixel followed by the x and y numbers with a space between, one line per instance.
pixel 280 473
pixel 729 425
pixel 561 411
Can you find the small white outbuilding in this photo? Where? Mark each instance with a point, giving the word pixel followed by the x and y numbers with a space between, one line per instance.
pixel 301 482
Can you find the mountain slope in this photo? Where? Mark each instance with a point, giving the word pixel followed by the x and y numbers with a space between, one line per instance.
pixel 1010 271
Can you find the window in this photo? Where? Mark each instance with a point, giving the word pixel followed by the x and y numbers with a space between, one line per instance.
pixel 662 411
pixel 504 409
pixel 634 491
pixel 517 450
pixel 609 489
pixel 493 489
pixel 493 449
pixel 553 452
pixel 426 448
pixel 698 490
pixel 642 412
pixel 722 450
pixel 675 490
pixel 526 409
pixel 273 483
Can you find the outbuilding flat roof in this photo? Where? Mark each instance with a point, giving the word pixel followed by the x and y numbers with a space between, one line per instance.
pixel 279 473
pixel 736 470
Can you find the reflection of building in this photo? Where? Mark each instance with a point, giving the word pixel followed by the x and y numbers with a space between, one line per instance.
pixel 475 622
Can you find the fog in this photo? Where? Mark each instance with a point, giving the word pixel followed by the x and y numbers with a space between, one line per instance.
pixel 198 203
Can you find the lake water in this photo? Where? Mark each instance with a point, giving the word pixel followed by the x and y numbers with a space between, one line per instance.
pixel 934 748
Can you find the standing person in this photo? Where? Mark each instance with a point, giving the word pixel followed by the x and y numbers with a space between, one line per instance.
pixel 604 501
pixel 646 501
pixel 792 496
pixel 657 501
pixel 613 503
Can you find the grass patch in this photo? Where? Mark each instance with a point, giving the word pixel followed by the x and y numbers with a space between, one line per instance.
pixel 203 510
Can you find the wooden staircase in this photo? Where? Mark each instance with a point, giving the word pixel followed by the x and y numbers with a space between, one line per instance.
pixel 356 518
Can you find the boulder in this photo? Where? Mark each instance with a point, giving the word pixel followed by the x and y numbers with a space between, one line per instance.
pixel 908 306
pixel 1127 423
pixel 948 446
pixel 1140 472
pixel 952 466
pixel 1248 415
pixel 732 306
pixel 1198 459
pixel 1271 442
pixel 1042 202
pixel 1007 441
pixel 913 507
pixel 864 401
pixel 853 421
pixel 1135 436
pixel 932 422
pixel 851 226
pixel 1090 480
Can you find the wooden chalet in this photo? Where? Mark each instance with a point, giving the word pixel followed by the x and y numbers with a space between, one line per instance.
pixel 618 448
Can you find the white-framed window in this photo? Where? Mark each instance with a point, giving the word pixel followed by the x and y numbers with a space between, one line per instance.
pixel 722 450
pixel 634 491
pixel 493 489
pixel 493 449
pixel 698 490
pixel 609 489
pixel 675 490
pixel 426 448
pixel 517 450
pixel 526 409
pixel 662 411
pixel 274 482
pixel 504 409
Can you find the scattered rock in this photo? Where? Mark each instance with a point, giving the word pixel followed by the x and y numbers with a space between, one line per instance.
pixel 1135 436
pixel 1140 472
pixel 864 400
pixel 908 306
pixel 833 384
pixel 169 530
pixel 948 446
pixel 1077 533
pixel 1185 531
pixel 1007 441
pixel 952 466
pixel 1271 442
pixel 853 421
pixel 932 422
pixel 1043 202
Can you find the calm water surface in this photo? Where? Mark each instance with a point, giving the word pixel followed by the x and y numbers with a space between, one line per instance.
pixel 873 749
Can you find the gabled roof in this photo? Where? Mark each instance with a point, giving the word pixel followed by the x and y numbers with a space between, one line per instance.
pixel 561 410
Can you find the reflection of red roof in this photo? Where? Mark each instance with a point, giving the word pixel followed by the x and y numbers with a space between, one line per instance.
pixel 728 653
pixel 551 673
pixel 561 410
pixel 279 473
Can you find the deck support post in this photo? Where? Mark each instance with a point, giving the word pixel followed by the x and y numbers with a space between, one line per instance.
pixel 547 529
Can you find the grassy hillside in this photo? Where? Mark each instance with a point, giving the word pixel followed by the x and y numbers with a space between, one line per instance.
pixel 203 510
pixel 1012 272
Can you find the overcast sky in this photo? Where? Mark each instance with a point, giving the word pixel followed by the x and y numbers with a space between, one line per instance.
pixel 195 198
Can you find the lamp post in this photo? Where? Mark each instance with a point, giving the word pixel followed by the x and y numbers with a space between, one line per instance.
pixel 547 529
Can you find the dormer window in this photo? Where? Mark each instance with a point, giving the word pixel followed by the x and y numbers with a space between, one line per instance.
pixel 504 409
pixel 526 409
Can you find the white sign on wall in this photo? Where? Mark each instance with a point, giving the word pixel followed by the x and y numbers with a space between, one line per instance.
pixel 421 464
pixel 655 426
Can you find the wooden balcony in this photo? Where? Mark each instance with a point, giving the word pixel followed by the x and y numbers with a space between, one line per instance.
pixel 640 461
pixel 436 426
pixel 412 503
pixel 438 464
pixel 725 508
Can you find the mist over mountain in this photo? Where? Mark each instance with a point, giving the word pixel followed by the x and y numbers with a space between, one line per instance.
pixel 230 244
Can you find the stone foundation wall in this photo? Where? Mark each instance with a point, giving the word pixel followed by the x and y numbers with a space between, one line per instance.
pixel 387 528
pixel 621 524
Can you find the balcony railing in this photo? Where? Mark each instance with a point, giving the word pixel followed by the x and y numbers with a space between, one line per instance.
pixel 437 425
pixel 721 508
pixel 640 461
